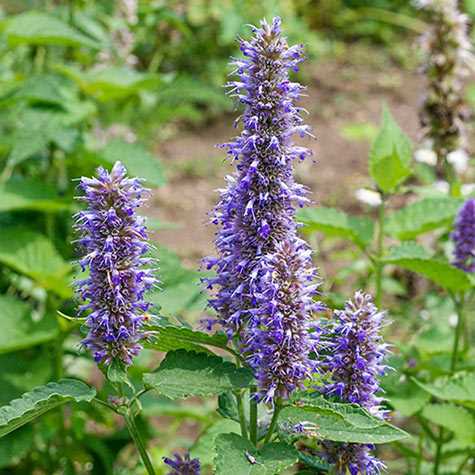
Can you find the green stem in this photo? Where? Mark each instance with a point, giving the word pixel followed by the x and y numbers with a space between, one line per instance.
pixel 438 453
pixel 253 416
pixel 135 434
pixel 242 416
pixel 459 304
pixel 420 451
pixel 273 423
pixel 379 255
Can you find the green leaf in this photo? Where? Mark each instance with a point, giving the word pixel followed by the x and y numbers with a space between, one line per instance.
pixel 458 388
pixel 408 399
pixel 390 156
pixel 421 217
pixel 33 255
pixel 238 456
pixel 351 413
pixel 414 258
pixel 112 83
pixel 337 223
pixel 138 161
pixel 31 195
pixel 16 446
pixel 457 419
pixel 169 337
pixel 39 28
pixel 359 132
pixel 40 400
pixel 205 447
pixel 187 373
pixel 19 331
pixel 329 425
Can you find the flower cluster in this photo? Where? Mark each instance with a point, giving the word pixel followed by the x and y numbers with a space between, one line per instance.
pixel 464 237
pixel 183 465
pixel 114 241
pixel 264 281
pixel 449 60
pixel 355 362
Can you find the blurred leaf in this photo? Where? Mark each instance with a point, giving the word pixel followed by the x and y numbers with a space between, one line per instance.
pixel 39 28
pixel 458 388
pixel 110 83
pixel 138 161
pixel 185 373
pixel 16 446
pixel 390 156
pixel 421 217
pixel 36 129
pixel 205 446
pixel 238 456
pixel 40 400
pixel 457 419
pixel 314 462
pixel 19 331
pixel 180 288
pixel 407 398
pixel 33 255
pixel 359 132
pixel 31 195
pixel 436 339
pixel 414 258
pixel 328 424
pixel 337 223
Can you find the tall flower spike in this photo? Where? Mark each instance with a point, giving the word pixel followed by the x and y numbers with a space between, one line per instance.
pixel 183 465
pixel 449 60
pixel 113 240
pixel 464 237
pixel 355 361
pixel 265 277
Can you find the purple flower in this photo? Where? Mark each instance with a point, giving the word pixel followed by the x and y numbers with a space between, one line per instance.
pixel 355 362
pixel 183 465
pixel 464 237
pixel 264 285
pixel 113 240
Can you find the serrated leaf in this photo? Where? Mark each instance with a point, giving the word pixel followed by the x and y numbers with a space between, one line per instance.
pixel 390 156
pixel 169 337
pixel 334 222
pixel 351 413
pixel 40 400
pixel 33 255
pixel 323 424
pixel 31 195
pixel 39 28
pixel 458 388
pixel 455 418
pixel 421 217
pixel 138 161
pixel 205 447
pixel 187 373
pixel 413 257
pixel 238 456
pixel 19 331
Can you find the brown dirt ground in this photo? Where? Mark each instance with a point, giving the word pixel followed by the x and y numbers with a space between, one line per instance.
pixel 339 93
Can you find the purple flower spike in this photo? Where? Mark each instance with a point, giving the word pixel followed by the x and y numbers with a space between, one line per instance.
pixel 183 465
pixel 355 363
pixel 464 237
pixel 113 240
pixel 264 283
